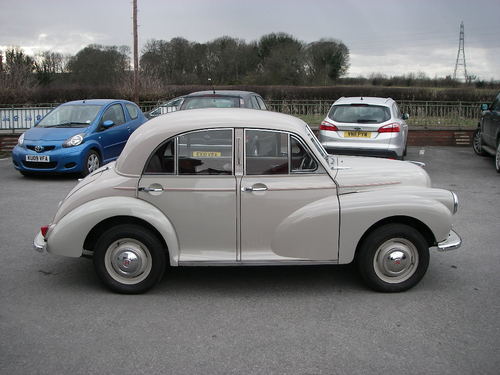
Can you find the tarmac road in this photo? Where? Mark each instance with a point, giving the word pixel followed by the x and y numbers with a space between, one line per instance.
pixel 56 318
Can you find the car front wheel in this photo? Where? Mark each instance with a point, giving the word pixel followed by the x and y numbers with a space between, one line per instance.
pixel 91 162
pixel 497 158
pixel 477 143
pixel 129 259
pixel 393 258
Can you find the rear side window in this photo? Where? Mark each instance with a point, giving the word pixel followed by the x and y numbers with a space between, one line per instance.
pixel 132 111
pixel 261 103
pixel 206 152
pixel 360 113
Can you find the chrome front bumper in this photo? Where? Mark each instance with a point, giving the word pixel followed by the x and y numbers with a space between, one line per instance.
pixel 39 243
pixel 451 243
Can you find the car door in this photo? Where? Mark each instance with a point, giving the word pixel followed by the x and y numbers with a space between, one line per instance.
pixel 190 178
pixel 113 139
pixel 289 205
pixel 133 116
pixel 491 123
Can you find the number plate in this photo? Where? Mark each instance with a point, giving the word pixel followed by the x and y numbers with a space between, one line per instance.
pixel 357 134
pixel 207 154
pixel 38 158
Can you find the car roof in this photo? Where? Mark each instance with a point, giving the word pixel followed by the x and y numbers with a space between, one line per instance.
pixel 154 132
pixel 221 92
pixel 364 100
pixel 95 101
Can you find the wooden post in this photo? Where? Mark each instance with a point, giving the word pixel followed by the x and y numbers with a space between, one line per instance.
pixel 136 54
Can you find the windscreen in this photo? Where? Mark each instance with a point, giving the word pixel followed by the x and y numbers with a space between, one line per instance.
pixel 69 116
pixel 210 102
pixel 360 113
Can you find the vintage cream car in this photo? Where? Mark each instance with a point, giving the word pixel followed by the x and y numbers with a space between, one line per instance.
pixel 212 187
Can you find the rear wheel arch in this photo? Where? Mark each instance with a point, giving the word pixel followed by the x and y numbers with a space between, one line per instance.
pixel 94 234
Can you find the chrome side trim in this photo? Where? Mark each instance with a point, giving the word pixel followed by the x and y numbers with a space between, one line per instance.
pixel 125 188
pixel 368 185
pixel 451 243
pixel 231 263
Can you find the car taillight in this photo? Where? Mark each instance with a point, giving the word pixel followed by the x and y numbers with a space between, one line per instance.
pixel 390 128
pixel 44 230
pixel 325 125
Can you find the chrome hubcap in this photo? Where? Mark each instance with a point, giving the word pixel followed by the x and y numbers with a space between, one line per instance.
pixel 396 260
pixel 92 162
pixel 128 261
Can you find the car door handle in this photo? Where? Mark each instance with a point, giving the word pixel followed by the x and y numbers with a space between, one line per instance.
pixel 150 189
pixel 254 188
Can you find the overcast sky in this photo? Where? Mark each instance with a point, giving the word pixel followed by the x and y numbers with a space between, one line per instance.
pixel 385 36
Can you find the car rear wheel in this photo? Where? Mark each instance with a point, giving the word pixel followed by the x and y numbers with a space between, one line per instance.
pixel 129 259
pixel 497 158
pixel 477 143
pixel 393 258
pixel 91 163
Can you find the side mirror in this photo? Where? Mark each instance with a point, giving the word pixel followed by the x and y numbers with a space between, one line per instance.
pixel 484 107
pixel 107 124
pixel 405 116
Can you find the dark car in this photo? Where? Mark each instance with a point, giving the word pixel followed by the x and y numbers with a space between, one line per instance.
pixel 486 139
pixel 223 99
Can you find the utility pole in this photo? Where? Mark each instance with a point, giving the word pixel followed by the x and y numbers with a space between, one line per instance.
pixel 136 54
pixel 461 54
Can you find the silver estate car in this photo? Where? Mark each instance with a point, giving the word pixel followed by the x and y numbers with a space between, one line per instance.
pixel 365 126
pixel 240 187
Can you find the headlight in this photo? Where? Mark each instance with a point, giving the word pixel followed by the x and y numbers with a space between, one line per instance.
pixel 20 140
pixel 74 140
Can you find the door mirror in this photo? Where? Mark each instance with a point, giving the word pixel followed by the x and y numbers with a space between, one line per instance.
pixel 107 124
pixel 484 107
pixel 405 116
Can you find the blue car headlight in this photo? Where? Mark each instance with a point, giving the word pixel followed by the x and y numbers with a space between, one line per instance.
pixel 20 140
pixel 74 140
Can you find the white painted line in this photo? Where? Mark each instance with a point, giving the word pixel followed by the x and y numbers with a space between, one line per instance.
pixel 421 152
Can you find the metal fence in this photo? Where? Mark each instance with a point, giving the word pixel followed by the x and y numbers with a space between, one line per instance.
pixel 422 113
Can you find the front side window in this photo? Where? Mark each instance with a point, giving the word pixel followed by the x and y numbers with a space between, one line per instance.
pixel 266 152
pixel 115 114
pixel 206 152
pixel 360 113
pixel 301 160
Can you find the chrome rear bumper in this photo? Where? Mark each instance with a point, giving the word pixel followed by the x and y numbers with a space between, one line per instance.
pixel 39 243
pixel 451 243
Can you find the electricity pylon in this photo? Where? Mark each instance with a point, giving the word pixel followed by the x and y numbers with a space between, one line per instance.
pixel 461 54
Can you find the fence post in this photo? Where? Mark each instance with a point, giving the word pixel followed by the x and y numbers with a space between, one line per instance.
pixel 11 118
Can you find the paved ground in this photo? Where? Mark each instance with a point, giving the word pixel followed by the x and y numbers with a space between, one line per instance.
pixel 55 318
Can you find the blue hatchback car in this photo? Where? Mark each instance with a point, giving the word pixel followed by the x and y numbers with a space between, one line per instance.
pixel 77 137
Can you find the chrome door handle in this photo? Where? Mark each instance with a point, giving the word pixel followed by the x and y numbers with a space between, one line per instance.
pixel 247 188
pixel 149 189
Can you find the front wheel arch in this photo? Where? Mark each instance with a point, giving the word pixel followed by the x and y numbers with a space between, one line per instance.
pixel 421 227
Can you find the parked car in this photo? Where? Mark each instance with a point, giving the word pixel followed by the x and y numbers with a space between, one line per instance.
pixel 77 137
pixel 166 107
pixel 486 140
pixel 264 193
pixel 365 126
pixel 223 99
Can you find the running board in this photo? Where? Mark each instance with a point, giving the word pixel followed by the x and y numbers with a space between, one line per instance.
pixel 231 263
